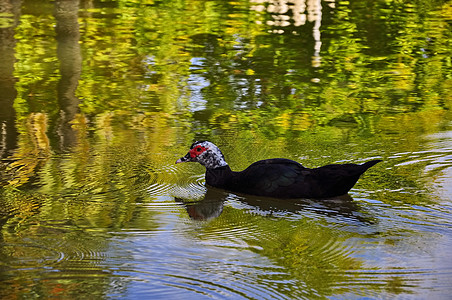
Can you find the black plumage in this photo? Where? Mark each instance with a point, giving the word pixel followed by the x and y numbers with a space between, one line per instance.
pixel 278 177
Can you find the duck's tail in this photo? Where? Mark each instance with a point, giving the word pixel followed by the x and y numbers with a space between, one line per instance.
pixel 369 164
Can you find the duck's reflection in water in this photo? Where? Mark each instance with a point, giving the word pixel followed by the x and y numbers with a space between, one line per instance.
pixel 212 204
pixel 209 207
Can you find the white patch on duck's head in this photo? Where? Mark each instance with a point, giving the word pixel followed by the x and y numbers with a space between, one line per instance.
pixel 209 156
pixel 206 153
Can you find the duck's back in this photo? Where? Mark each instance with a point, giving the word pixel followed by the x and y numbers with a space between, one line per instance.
pixel 284 178
pixel 277 177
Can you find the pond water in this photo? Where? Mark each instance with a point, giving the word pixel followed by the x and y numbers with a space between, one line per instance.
pixel 100 98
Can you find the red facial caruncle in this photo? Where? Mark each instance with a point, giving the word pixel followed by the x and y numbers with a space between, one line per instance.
pixel 196 151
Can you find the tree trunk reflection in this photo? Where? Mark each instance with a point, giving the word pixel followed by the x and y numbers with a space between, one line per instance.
pixel 8 132
pixel 68 35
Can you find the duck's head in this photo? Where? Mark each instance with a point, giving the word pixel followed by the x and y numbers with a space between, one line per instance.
pixel 206 153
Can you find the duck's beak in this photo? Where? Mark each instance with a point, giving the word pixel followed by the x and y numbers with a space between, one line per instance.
pixel 184 159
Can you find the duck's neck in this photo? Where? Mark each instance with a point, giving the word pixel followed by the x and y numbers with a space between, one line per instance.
pixel 213 160
pixel 219 177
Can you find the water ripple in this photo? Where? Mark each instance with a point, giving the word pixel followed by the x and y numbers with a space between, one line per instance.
pixel 170 180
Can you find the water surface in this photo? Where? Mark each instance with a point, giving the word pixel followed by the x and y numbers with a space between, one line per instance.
pixel 100 98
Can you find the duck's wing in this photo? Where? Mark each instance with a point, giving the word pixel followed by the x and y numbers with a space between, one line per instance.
pixel 269 177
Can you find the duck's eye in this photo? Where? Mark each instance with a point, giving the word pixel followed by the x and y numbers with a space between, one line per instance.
pixel 198 149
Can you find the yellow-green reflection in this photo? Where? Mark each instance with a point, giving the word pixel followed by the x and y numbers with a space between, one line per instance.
pixel 101 97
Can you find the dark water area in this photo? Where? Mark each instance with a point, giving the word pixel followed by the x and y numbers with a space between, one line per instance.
pixel 98 99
